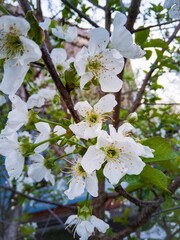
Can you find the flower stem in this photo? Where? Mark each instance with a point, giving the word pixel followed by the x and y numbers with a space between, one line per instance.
pixel 87 197
pixel 48 140
pixel 55 159
pixel 71 141
pixel 48 121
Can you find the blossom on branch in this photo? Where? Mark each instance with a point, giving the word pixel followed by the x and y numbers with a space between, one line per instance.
pixel 65 32
pixel 85 226
pixel 119 151
pixel 122 39
pixel 91 125
pixel 17 50
pixel 99 63
pixel 81 180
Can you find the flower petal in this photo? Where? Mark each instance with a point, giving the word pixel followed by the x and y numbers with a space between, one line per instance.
pixel 83 108
pixel 99 224
pixel 174 12
pixel 91 182
pixel 109 82
pixel 93 159
pixel 104 140
pixel 58 55
pixel 76 188
pixel 121 38
pixel 98 41
pixel 133 51
pixel 105 104
pixel 81 61
pixel 133 163
pixel 114 171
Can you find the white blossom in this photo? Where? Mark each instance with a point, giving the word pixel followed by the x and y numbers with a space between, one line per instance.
pixel 99 63
pixel 2 100
pixel 174 12
pixel 120 152
pixel 18 51
pixel 45 25
pixel 85 227
pixel 81 180
pixel 14 161
pixel 91 126
pixel 59 58
pixel 45 132
pixel 37 170
pixel 38 99
pixel 122 39
pixel 19 114
pixel 65 32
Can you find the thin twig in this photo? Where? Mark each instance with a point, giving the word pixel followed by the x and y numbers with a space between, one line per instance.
pixel 82 15
pixel 35 198
pixel 164 211
pixel 152 26
pixel 138 99
pixel 134 200
pixel 97 5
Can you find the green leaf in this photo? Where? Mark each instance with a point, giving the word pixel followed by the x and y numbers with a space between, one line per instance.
pixel 35 32
pixel 162 147
pixel 156 43
pixel 3 10
pixel 154 176
pixel 141 36
pixel 148 54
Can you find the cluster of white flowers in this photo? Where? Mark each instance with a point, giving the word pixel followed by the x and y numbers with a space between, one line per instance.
pixel 174 12
pixel 116 153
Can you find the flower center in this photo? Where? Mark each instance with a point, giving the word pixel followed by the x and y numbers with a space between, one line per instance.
pixel 78 169
pixel 112 153
pixel 94 64
pixel 13 45
pixel 92 118
pixel 59 68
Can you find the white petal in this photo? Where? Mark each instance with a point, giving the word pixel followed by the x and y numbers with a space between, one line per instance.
pixel 13 76
pixel 92 184
pixel 83 108
pixel 50 177
pixel 31 52
pixel 145 151
pixel 70 34
pixel 133 51
pixel 35 100
pixel 81 61
pixel 85 79
pixel 14 164
pixel 93 159
pixel 76 188
pixel 47 93
pixel 174 12
pixel 59 130
pixel 104 140
pixel 7 146
pixel 93 131
pixel 43 127
pixel 36 171
pixel 72 218
pixel 58 32
pixel 112 60
pixel 133 163
pixel 20 25
pixel 2 100
pixel 99 224
pixel 125 128
pixel 105 104
pixel 58 55
pixel 114 171
pixel 119 19
pixel 98 41
pixel 19 114
pixel 45 25
pixel 69 149
pixel 85 230
pixel 169 3
pixel 121 38
pixel 110 82
pixel 79 129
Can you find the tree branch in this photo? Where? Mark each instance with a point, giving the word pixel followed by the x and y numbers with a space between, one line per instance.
pixel 164 211
pixel 134 200
pixel 152 26
pixel 80 13
pixel 35 198
pixel 137 102
pixel 144 216
pixel 97 5
pixel 52 70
